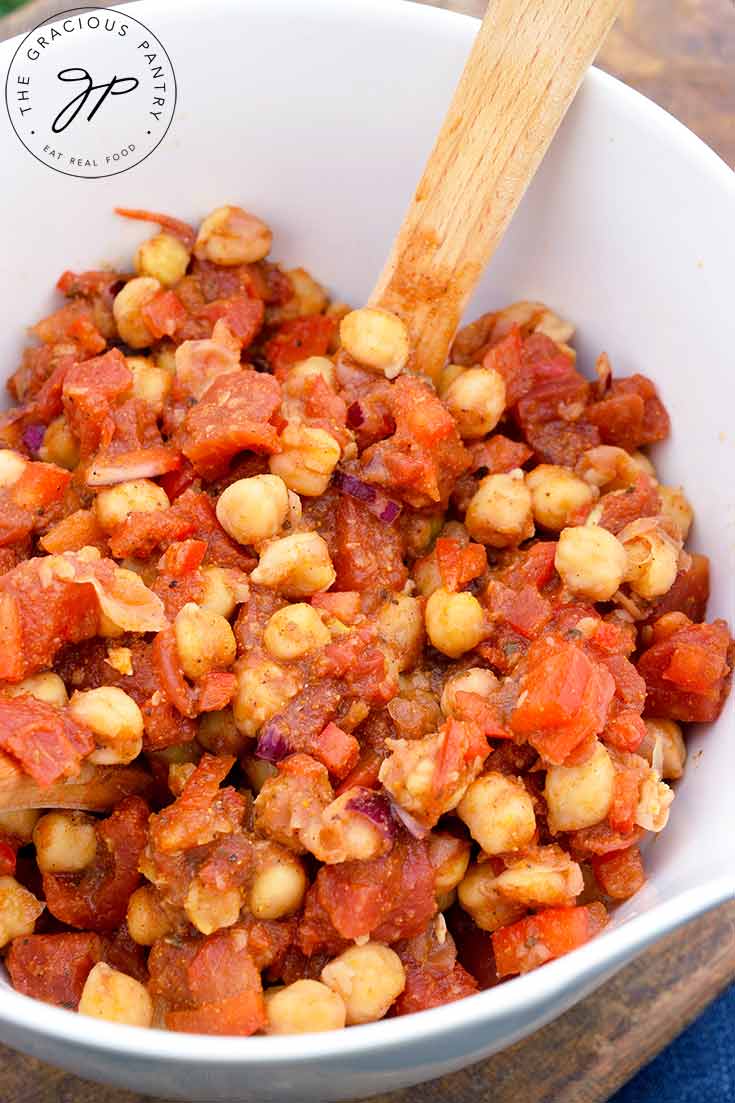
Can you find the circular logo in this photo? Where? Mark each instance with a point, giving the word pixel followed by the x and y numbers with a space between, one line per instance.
pixel 91 92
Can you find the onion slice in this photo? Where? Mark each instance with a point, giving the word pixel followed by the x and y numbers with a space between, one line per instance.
pixel 272 744
pixel 375 807
pixel 385 509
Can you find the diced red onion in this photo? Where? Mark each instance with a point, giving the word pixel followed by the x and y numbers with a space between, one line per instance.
pixel 374 807
pixel 412 825
pixel 33 438
pixel 272 744
pixel 355 415
pixel 385 509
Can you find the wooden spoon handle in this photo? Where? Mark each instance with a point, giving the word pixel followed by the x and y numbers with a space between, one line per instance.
pixel 94 790
pixel 526 64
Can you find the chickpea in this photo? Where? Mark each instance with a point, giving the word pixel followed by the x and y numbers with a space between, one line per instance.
pixel 346 834
pixel 450 857
pixel 643 463
pixel 499 513
pixel 307 460
pixel 476 400
pixel 262 691
pixel 675 506
pixel 258 771
pixel 654 800
pixel 115 720
pixel 114 504
pixel 304 1007
pixel 230 236
pixel 426 575
pixel 217 733
pixel 377 339
pixel 164 258
pixel 310 368
pixel 673 751
pixel 548 879
pixel 479 897
pixel 298 565
pixel 499 813
pixel 19 910
pixel 253 510
pixel 19 825
pixel 209 908
pixel 580 796
pixel 652 562
pixel 368 978
pixel 278 889
pixel 66 842
pixel 127 311
pixel 591 562
pixel 455 623
pixel 449 373
pixel 217 596
pixel 401 626
pixel 12 466
pixel 60 446
pixel 204 640
pixel 151 384
pixel 146 919
pixel 164 357
pixel 46 687
pixel 114 996
pixel 295 631
pixel 556 494
pixel 475 680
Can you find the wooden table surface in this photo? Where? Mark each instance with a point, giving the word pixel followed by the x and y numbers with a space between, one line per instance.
pixel 680 53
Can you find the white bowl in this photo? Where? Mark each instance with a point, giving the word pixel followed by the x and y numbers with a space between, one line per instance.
pixel 319 117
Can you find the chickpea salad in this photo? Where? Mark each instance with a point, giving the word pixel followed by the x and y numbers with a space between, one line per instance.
pixel 326 693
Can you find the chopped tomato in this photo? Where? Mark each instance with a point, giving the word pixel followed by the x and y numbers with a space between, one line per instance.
pixel 640 499
pixel 564 698
pixel 544 936
pixel 364 775
pixel 98 899
pixel 53 967
pixel 298 339
pixel 423 458
pixel 626 786
pixel 233 415
pixel 619 874
pixel 687 674
pixel 44 739
pixel 368 554
pixel 183 557
pixel 163 314
pixel 337 750
pixel 525 610
pixel 458 565
pixel 344 605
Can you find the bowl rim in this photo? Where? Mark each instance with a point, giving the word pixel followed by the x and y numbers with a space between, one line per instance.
pixel 528 1001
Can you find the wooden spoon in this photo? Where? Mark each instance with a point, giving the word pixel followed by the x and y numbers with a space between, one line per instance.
pixel 526 64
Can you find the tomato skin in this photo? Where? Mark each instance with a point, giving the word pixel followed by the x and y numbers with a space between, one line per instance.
pixel 548 934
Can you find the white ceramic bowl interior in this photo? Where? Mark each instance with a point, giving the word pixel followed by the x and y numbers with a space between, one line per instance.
pixel 319 117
